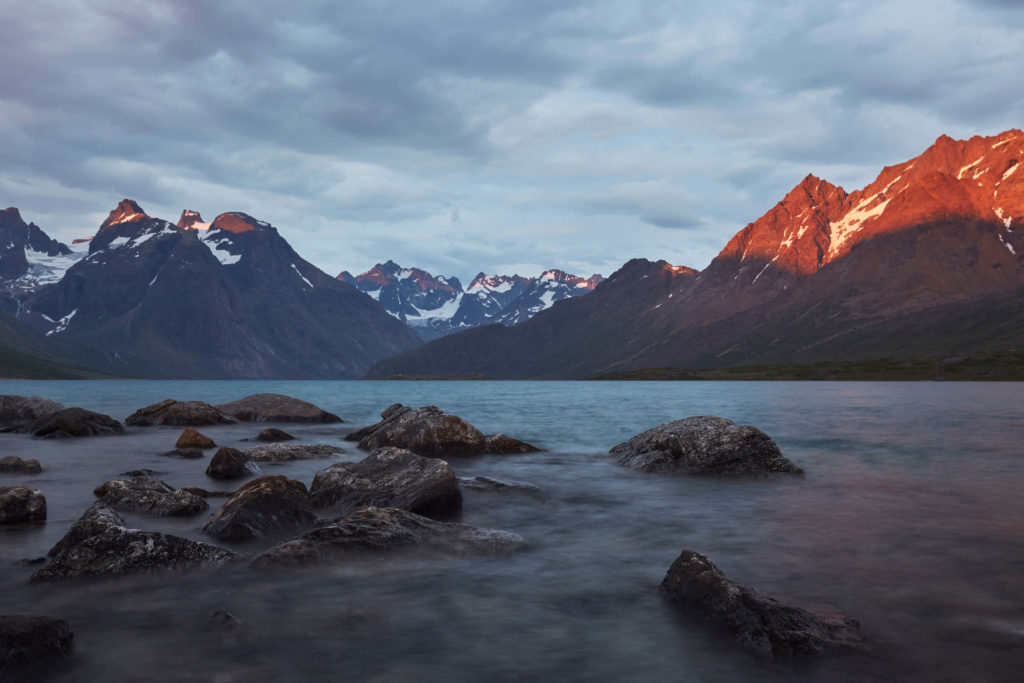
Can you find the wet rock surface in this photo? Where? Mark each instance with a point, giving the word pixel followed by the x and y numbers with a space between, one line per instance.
pixel 21 504
pixel 500 443
pixel 758 622
pixel 73 422
pixel 263 507
pixel 101 544
pixel 178 413
pixel 204 493
pixel 487 484
pixel 704 445
pixel 385 531
pixel 272 435
pixel 193 438
pixel 432 433
pixel 229 463
pixel 149 496
pixel 32 641
pixel 389 478
pixel 12 464
pixel 17 411
pixel 285 452
pixel 187 453
pixel 276 408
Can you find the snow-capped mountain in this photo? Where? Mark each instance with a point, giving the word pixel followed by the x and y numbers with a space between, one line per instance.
pixel 225 299
pixel 927 259
pixel 29 258
pixel 436 306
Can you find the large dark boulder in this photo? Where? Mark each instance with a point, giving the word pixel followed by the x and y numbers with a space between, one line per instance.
pixel 31 641
pixel 758 622
pixel 704 445
pixel 266 506
pixel 73 422
pixel 229 463
pixel 18 411
pixel 276 408
pixel 192 438
pixel 149 496
pixel 385 531
pixel 280 452
pixel 389 478
pixel 21 504
pixel 178 413
pixel 273 435
pixel 12 464
pixel 101 544
pixel 432 433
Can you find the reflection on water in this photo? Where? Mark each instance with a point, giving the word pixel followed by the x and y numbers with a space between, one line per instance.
pixel 909 519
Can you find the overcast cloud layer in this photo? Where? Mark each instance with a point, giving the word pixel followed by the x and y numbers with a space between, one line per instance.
pixel 495 136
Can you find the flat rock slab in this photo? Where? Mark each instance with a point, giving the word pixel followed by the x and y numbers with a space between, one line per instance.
pixel 192 438
pixel 17 411
pixel 377 531
pixel 178 413
pixel 229 463
pixel 12 464
pixel 281 452
pixel 31 641
pixel 704 445
pixel 389 478
pixel 101 544
pixel 21 504
pixel 150 496
pixel 276 408
pixel 263 507
pixel 758 622
pixel 73 422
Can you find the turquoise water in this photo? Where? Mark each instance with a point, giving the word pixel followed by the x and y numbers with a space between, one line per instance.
pixel 909 519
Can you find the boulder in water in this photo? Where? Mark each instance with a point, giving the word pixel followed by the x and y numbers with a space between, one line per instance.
pixel 73 422
pixel 187 453
pixel 192 438
pixel 12 464
pixel 18 411
pixel 273 434
pixel 229 463
pixel 263 507
pixel 32 641
pixel 149 496
pixel 276 408
pixel 178 413
pixel 21 504
pixel 280 452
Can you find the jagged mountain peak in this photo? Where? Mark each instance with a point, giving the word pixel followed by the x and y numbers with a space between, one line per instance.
pixel 192 220
pixel 237 222
pixel 126 211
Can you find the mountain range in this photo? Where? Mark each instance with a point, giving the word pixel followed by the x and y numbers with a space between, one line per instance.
pixel 437 306
pixel 927 259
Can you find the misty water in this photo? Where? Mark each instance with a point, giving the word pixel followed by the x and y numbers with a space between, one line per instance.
pixel 910 519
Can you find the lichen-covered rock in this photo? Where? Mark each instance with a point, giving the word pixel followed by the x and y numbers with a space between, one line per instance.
pixel 263 507
pixel 178 413
pixel 17 411
pixel 276 408
pixel 280 452
pixel 757 621
pixel 101 544
pixel 187 453
pixel 704 445
pixel 501 444
pixel 12 464
pixel 192 438
pixel 31 641
pixel 273 434
pixel 377 531
pixel 392 478
pixel 73 422
pixel 229 463
pixel 21 504
pixel 149 496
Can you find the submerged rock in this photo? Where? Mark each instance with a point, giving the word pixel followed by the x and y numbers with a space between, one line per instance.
pixel 432 433
pixel 12 464
pixel 488 484
pixel 264 506
pixel 18 411
pixel 203 493
pixel 276 408
pixel 284 452
pixel 704 445
pixel 73 422
pixel 272 434
pixel 178 413
pixel 187 453
pixel 21 504
pixel 150 496
pixel 757 621
pixel 192 438
pixel 101 544
pixel 32 641
pixel 389 478
pixel 228 463
pixel 380 531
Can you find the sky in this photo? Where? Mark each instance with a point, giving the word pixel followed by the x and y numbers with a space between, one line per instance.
pixel 485 135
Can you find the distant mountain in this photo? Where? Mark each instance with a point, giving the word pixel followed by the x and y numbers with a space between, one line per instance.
pixel 226 299
pixel 437 306
pixel 29 258
pixel 927 259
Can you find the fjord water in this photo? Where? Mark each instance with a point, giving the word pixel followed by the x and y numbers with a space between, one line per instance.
pixel 909 519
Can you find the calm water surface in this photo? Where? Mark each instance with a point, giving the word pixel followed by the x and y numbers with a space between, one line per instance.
pixel 910 519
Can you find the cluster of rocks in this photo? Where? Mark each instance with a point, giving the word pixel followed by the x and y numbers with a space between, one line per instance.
pixel 48 419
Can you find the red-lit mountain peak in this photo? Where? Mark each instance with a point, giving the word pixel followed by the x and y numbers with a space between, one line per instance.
pixel 127 211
